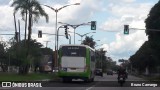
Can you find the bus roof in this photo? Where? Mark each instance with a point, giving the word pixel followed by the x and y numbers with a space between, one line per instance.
pixel 77 45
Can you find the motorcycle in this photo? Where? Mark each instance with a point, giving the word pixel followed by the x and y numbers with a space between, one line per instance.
pixel 121 80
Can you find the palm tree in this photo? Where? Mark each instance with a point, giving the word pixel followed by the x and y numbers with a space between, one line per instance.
pixel 33 9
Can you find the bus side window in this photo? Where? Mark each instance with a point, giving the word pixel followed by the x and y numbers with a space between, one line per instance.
pixel 92 56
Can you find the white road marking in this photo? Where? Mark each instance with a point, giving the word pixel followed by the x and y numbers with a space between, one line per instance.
pixel 90 87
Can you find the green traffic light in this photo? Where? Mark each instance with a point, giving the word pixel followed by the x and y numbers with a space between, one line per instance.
pixel 126 32
pixel 126 29
pixel 93 28
pixel 93 25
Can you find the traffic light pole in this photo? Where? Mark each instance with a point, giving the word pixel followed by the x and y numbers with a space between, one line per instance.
pixel 126 29
pixel 58 34
pixel 69 38
pixel 75 27
pixel 46 43
pixel 146 29
pixel 63 26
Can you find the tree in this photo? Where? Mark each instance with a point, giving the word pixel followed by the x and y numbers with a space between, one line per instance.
pixel 34 11
pixel 145 57
pixel 89 41
pixel 153 22
pixel 3 57
pixel 148 55
pixel 18 58
pixel 101 59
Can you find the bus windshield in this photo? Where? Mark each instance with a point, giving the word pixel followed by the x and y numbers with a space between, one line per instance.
pixel 74 51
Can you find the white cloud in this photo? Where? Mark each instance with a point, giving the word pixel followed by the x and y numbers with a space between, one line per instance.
pixel 121 1
pixel 6 16
pixel 69 15
pixel 132 14
pixel 112 25
pixel 124 46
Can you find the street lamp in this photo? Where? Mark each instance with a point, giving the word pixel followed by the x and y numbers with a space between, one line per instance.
pixel 46 43
pixel 97 40
pixel 56 11
pixel 69 38
pixel 74 27
pixel 98 45
pixel 82 35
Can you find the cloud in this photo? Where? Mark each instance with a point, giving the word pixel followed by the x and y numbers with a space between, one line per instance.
pixel 4 2
pixel 133 14
pixel 121 1
pixel 69 15
pixel 125 46
pixel 112 25
pixel 124 12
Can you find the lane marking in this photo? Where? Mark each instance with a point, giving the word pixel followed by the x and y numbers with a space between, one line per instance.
pixel 90 87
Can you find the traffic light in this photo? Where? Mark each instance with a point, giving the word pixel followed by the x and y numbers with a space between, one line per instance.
pixel 66 32
pixel 39 34
pixel 93 25
pixel 126 29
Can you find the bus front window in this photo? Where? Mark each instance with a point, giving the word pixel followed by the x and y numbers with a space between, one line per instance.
pixel 74 51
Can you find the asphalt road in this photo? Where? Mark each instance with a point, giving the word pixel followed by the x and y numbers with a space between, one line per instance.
pixel 107 82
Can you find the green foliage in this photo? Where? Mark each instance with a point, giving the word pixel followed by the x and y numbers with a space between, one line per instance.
pixel 3 56
pixel 145 57
pixel 31 6
pixel 153 22
pixel 33 9
pixel 28 77
pixel 89 41
pixel 104 62
pixel 18 54
pixel 149 53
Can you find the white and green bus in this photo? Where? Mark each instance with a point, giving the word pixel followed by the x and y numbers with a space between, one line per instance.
pixel 76 62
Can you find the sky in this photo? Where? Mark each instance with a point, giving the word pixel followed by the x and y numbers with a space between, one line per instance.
pixel 110 15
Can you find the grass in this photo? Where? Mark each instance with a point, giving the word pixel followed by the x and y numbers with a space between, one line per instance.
pixel 28 77
pixel 154 78
pixel 149 78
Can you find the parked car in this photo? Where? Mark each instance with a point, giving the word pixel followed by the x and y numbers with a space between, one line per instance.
pixel 109 72
pixel 99 72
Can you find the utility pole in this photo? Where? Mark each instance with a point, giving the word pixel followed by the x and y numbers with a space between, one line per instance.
pixel 56 10
pixel 46 43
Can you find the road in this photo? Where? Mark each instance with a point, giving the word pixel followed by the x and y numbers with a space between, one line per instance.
pixel 107 82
